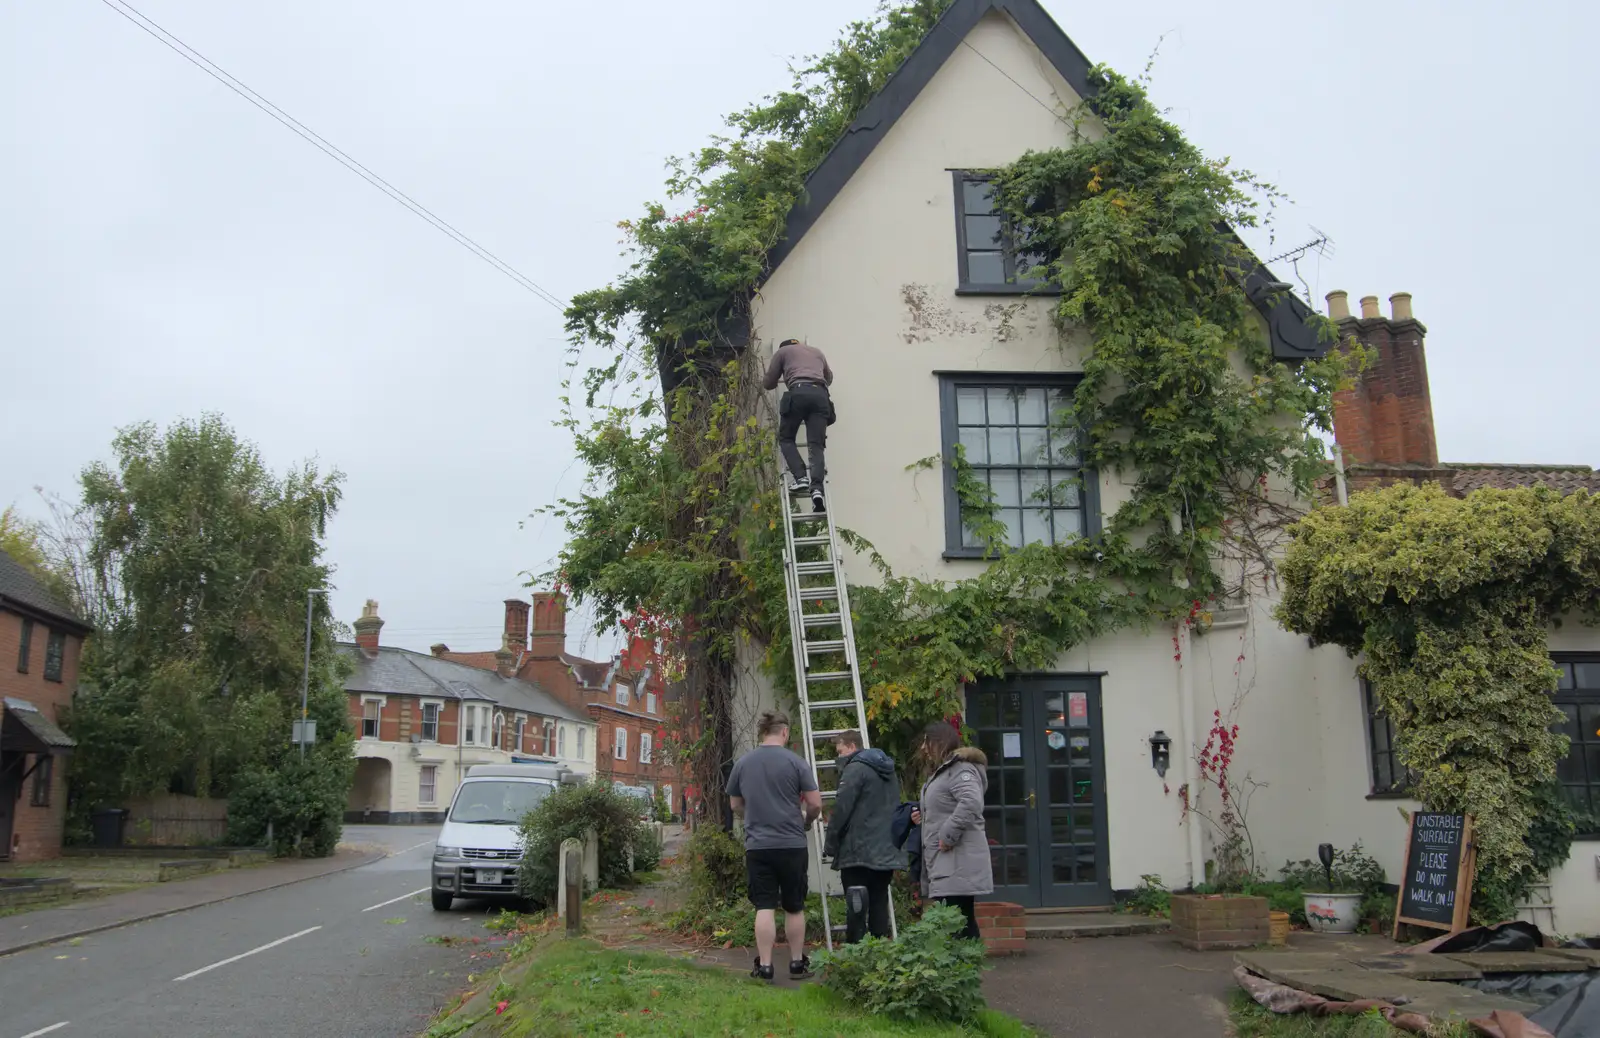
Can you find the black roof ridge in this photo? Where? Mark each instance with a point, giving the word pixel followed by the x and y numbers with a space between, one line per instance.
pixel 1289 334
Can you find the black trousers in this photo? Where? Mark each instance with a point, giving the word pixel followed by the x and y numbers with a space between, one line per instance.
pixel 877 883
pixel 969 908
pixel 809 405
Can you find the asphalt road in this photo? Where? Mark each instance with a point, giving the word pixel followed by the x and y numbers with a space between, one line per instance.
pixel 326 957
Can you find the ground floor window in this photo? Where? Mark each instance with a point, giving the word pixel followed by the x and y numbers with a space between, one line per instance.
pixel 1577 696
pixel 1578 699
pixel 427 783
pixel 42 773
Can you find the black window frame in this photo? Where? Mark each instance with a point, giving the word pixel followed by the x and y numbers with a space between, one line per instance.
pixel 1400 780
pixel 1568 693
pixel 43 775
pixel 965 285
pixel 949 382
pixel 55 654
pixel 25 646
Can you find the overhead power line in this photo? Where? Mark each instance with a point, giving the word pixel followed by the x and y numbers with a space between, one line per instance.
pixel 221 75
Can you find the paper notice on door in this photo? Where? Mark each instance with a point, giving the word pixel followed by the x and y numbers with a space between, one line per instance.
pixel 1012 744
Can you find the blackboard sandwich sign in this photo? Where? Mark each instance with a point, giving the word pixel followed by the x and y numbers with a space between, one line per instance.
pixel 1436 887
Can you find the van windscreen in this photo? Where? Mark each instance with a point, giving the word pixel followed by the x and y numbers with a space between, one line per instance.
pixel 495 802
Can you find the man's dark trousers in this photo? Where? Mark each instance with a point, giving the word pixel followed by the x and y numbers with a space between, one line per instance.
pixel 876 881
pixel 805 403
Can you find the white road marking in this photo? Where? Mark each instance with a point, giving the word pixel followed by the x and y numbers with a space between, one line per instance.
pixel 243 955
pixel 47 1030
pixel 392 900
pixel 413 847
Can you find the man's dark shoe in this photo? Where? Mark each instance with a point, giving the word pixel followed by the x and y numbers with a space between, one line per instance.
pixel 799 484
pixel 816 502
pixel 799 970
pixel 761 972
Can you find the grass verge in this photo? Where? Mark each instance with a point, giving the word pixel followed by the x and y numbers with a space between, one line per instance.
pixel 578 988
pixel 1252 1021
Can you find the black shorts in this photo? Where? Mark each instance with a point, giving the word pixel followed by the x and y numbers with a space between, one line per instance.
pixel 777 878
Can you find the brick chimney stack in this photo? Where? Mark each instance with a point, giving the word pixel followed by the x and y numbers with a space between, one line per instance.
pixel 549 639
pixel 367 628
pixel 516 636
pixel 1385 421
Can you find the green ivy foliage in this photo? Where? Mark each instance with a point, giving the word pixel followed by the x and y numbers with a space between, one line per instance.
pixel 1179 387
pixel 1451 600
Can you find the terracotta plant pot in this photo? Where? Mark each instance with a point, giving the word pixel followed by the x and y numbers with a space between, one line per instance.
pixel 1278 928
pixel 1333 913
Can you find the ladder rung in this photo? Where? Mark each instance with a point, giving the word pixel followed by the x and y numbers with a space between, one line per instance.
pixel 831 704
pixel 825 645
pixel 828 794
pixel 818 592
pixel 825 765
pixel 807 542
pixel 828 675
pixel 803 516
pixel 812 569
pixel 820 619
pixel 828 734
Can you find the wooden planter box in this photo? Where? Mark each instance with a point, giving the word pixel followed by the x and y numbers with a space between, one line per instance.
pixel 1225 921
pixel 1004 927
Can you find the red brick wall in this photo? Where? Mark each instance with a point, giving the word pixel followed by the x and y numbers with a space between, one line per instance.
pixel 401 716
pixel 1004 927
pixel 36 832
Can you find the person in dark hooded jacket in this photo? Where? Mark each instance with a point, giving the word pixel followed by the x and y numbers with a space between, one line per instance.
pixel 860 839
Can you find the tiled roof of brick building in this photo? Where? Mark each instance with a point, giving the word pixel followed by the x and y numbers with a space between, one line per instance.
pixel 1562 478
pixel 20 587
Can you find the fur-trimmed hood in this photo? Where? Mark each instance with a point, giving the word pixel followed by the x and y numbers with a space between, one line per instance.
pixel 970 754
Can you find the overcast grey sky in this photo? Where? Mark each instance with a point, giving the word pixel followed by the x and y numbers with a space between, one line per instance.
pixel 166 249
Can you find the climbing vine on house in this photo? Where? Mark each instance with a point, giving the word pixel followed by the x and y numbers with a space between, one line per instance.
pixel 1179 386
pixel 1450 600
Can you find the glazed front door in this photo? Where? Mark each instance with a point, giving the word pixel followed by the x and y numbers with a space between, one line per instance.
pixel 1045 806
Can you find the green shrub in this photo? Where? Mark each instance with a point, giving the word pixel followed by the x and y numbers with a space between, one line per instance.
pixel 927 975
pixel 647 849
pixel 570 812
pixel 716 869
pixel 1150 897
pixel 660 810
pixel 1354 872
pixel 1379 906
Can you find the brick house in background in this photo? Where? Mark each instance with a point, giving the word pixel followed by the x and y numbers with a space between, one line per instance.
pixel 422 721
pixel 35 685
pixel 626 697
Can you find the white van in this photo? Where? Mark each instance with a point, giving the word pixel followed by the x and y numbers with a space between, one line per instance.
pixel 478 850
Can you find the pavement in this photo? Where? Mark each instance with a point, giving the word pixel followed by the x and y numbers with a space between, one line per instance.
pixel 345 952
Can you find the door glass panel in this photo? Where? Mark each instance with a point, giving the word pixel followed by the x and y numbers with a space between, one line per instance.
pixel 1011 710
pixel 1060 786
pixel 1062 861
pixel 1082 786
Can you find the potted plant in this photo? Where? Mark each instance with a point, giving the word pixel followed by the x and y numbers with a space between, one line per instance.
pixel 1335 892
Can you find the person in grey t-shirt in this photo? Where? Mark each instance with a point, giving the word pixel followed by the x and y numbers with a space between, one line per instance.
pixel 775 793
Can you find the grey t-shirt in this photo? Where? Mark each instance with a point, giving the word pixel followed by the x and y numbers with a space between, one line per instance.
pixel 771 779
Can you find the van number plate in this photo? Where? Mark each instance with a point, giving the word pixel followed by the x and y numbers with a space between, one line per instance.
pixel 486 876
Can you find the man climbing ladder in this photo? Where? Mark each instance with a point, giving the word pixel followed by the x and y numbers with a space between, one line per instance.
pixel 806 377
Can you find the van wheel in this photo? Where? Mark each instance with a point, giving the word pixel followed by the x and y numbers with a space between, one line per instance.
pixel 442 900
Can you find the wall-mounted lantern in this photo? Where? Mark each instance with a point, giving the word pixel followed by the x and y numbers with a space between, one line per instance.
pixel 1160 752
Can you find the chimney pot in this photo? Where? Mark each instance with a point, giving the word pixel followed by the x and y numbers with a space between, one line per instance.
pixel 1400 306
pixel 439 649
pixel 1369 308
pixel 368 626
pixel 1339 305
pixel 549 633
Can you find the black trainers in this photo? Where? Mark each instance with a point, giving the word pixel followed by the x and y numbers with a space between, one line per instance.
pixel 760 972
pixel 799 485
pixel 798 970
pixel 816 502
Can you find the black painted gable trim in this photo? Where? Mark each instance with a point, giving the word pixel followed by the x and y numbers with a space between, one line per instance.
pixel 1292 338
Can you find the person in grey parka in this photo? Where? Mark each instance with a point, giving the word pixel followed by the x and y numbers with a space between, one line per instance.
pixel 860 837
pixel 956 867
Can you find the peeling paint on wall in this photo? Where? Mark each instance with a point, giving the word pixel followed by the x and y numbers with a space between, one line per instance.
pixel 927 318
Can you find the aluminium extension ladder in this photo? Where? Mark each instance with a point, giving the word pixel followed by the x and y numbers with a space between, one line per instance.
pixel 824 642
